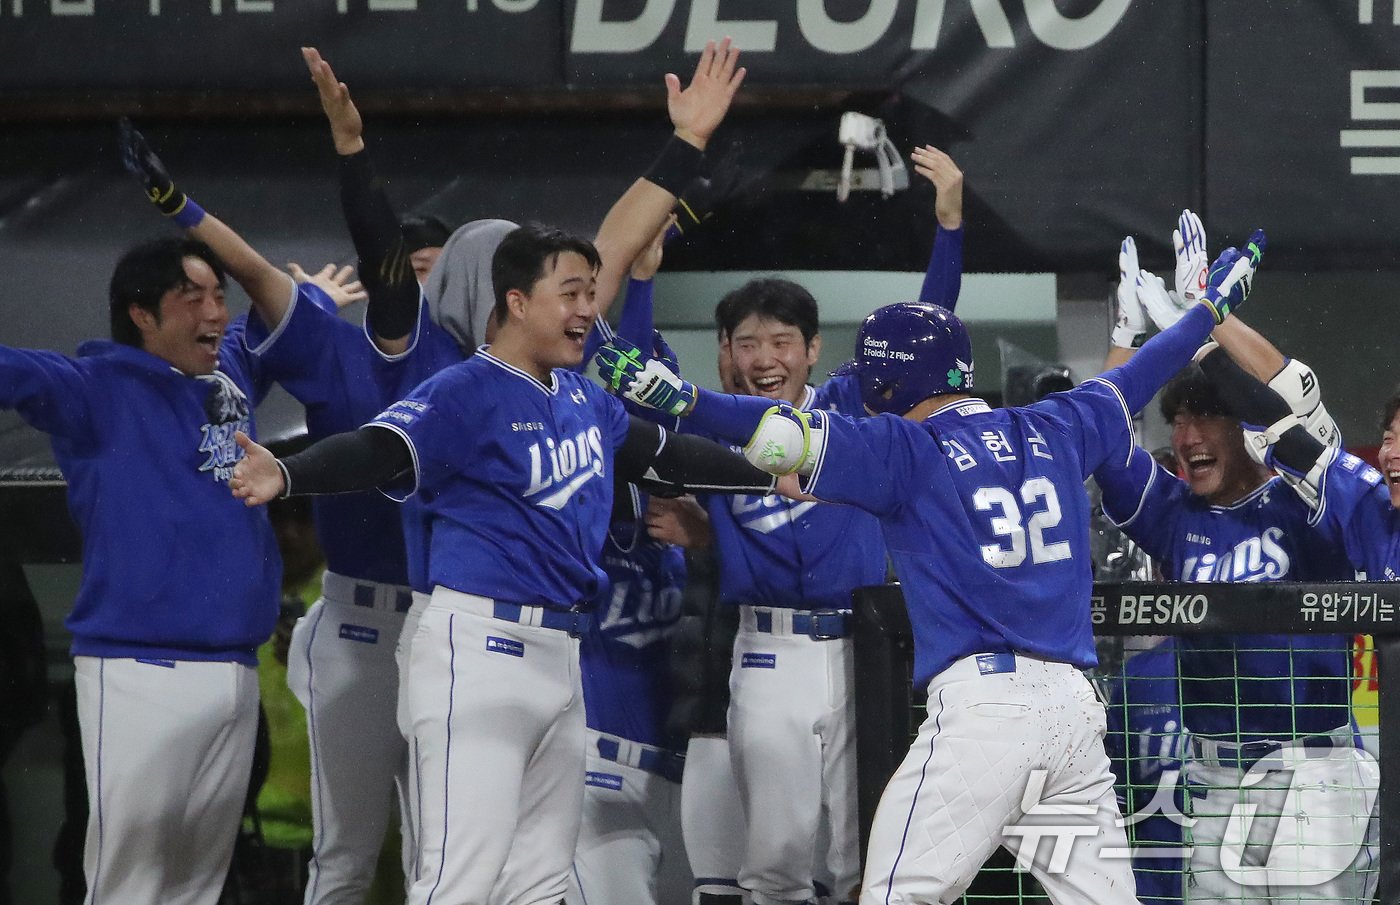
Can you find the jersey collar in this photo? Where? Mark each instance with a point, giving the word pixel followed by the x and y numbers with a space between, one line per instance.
pixel 962 407
pixel 550 390
pixel 809 396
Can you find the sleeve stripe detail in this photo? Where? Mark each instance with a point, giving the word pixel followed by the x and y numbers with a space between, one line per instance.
pixel 413 336
pixel 1142 500
pixel 1329 455
pixel 413 453
pixel 1127 416
pixel 281 325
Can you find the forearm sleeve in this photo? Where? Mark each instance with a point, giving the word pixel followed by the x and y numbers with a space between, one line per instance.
pixel 385 268
pixel 943 279
pixel 1254 403
pixel 731 418
pixel 655 457
pixel 1161 357
pixel 349 462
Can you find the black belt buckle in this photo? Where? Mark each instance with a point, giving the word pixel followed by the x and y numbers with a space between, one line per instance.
pixel 822 620
pixel 582 621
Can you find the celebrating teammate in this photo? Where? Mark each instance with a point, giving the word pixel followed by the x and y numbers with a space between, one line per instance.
pixel 1245 697
pixel 174 603
pixel 512 458
pixel 630 850
pixel 990 549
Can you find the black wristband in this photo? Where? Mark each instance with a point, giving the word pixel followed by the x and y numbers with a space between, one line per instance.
pixel 676 166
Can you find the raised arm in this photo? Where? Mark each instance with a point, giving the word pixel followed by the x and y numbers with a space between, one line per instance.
pixel 269 288
pixel 385 264
pixel 943 278
pixel 695 113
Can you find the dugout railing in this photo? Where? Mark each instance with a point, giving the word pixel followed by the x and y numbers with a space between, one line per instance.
pixel 888 709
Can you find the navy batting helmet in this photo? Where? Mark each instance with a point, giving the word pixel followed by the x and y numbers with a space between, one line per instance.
pixel 908 352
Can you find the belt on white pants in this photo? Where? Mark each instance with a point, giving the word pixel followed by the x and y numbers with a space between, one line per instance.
pixel 648 758
pixel 575 622
pixel 389 598
pixel 819 625
pixel 1215 753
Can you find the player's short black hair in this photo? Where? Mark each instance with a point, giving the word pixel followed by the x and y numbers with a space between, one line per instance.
pixel 424 231
pixel 1392 405
pixel 1191 392
pixel 147 272
pixel 521 258
pixel 773 298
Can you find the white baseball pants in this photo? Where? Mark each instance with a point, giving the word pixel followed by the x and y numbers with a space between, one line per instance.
pixel 1297 826
pixel 497 714
pixel 990 738
pixel 630 850
pixel 412 787
pixel 792 741
pixel 167 747
pixel 341 668
pixel 712 817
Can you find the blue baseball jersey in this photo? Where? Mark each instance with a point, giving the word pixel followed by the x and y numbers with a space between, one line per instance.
pixel 985 516
pixel 1354 509
pixel 334 369
pixel 624 656
pixel 1260 686
pixel 774 551
pixel 516 478
pixel 1145 740
pixel 174 567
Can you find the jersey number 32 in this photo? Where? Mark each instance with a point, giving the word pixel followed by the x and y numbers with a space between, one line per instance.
pixel 1042 506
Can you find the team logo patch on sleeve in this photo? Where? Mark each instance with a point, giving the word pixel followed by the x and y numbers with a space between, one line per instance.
pixel 603 780
pixel 505 646
pixel 759 661
pixel 361 633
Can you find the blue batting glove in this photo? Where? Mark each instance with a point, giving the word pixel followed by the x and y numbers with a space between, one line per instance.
pixel 642 378
pixel 1231 277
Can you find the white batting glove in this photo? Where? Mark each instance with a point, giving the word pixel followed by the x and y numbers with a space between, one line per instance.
pixel 1162 306
pixel 1192 259
pixel 1130 327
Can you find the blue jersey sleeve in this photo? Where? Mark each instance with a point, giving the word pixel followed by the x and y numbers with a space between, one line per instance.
pixel 1143 499
pixel 47 390
pixel 1353 505
pixel 1100 420
pixel 943 279
pixel 1161 357
pixel 430 421
pixel 865 462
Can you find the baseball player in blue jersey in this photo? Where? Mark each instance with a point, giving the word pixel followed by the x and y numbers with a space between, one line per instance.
pixel 985 516
pixel 790 566
pixel 1144 743
pixel 513 460
pixel 173 603
pixel 630 850
pixel 1353 503
pixel 1244 696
